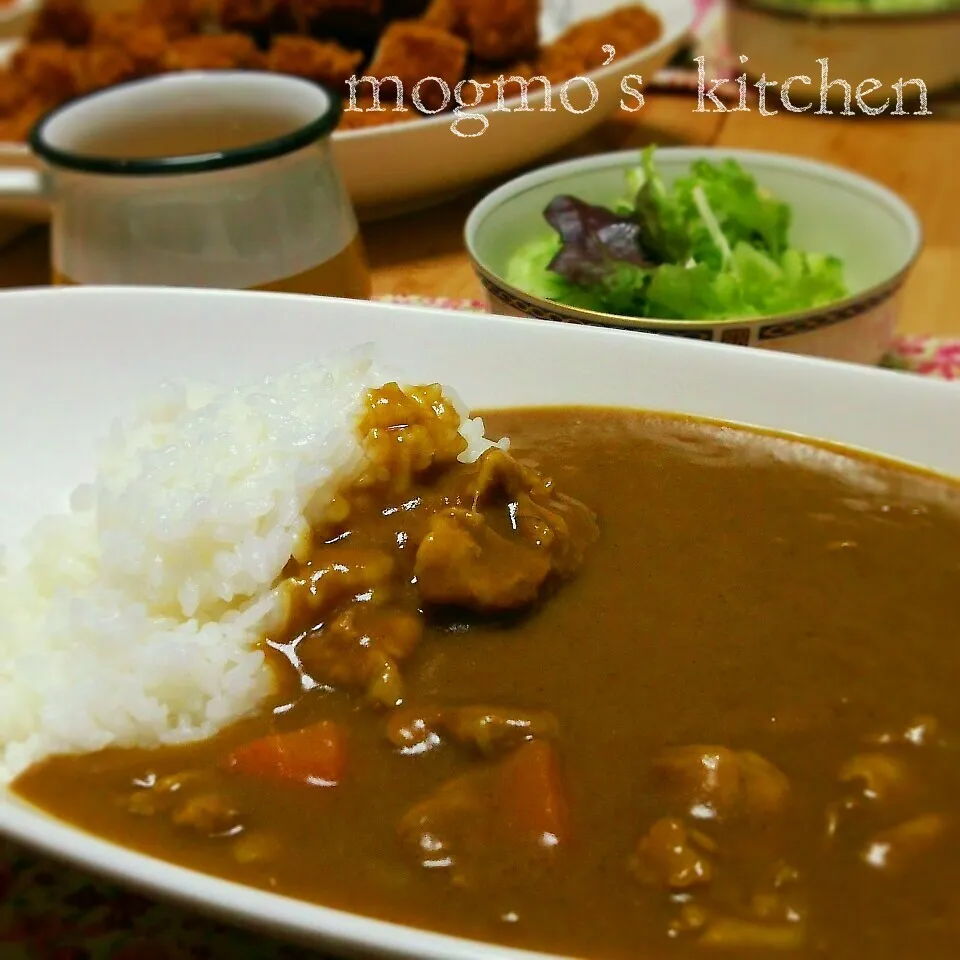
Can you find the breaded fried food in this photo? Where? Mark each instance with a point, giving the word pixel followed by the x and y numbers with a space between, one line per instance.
pixel 14 93
pixel 67 21
pixel 180 18
pixel 580 48
pixel 501 30
pixel 317 8
pixel 99 67
pixel 15 127
pixel 490 73
pixel 294 16
pixel 47 70
pixel 321 61
pixel 260 17
pixel 226 51
pixel 446 15
pixel 411 51
pixel 143 42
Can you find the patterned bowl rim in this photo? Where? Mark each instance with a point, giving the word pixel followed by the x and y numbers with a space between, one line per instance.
pixel 769 327
pixel 844 309
pixel 857 17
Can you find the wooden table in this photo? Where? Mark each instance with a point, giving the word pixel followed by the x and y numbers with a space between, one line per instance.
pixel 423 254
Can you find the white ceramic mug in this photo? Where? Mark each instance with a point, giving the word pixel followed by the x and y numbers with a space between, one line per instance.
pixel 266 214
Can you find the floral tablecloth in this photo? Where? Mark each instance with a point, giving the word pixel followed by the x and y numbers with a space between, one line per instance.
pixel 709 41
pixel 52 912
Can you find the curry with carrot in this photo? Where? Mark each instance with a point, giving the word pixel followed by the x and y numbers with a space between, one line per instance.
pixel 639 685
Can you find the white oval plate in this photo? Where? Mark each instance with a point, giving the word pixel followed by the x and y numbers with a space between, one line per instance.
pixel 404 166
pixel 73 359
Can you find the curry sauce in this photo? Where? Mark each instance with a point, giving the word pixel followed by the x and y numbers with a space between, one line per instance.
pixel 638 686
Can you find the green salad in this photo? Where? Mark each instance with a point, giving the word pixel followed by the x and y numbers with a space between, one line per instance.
pixel 712 245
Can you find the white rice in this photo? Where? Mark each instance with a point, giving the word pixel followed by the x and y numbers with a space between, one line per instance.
pixel 136 618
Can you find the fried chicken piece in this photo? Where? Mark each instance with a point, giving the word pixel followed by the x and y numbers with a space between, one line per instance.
pixel 580 48
pixel 445 15
pixel 14 93
pixel 501 29
pixel 354 23
pixel 116 28
pixel 99 67
pixel 47 69
pixel 16 126
pixel 227 51
pixel 412 51
pixel 180 18
pixel 142 42
pixel 292 16
pixel 491 72
pixel 262 17
pixel 317 60
pixel 365 117
pixel 318 8
pixel 66 21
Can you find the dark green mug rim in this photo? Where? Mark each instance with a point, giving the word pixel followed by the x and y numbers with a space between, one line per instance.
pixel 290 142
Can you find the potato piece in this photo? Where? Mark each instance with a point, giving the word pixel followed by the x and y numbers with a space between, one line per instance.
pixel 730 933
pixel 66 21
pixel 718 783
pixel 491 730
pixel 415 730
pixel 673 857
pixel 897 848
pixel 256 848
pixel 880 775
pixel 208 813
pixel 923 731
pixel 159 796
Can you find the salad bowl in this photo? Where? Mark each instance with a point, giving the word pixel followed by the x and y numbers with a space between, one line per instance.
pixel 833 292
pixel 883 40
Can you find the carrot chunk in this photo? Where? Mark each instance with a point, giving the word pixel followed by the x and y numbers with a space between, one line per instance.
pixel 315 755
pixel 534 805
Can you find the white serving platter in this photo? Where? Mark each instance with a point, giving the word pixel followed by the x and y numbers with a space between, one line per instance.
pixel 401 167
pixel 71 360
